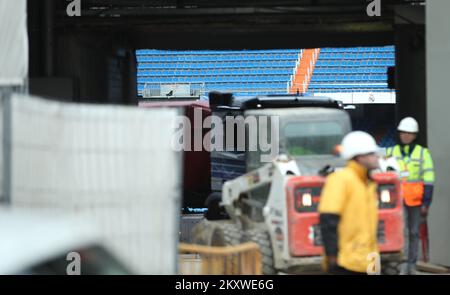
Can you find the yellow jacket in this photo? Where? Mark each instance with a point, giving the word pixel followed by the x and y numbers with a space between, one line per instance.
pixel 351 195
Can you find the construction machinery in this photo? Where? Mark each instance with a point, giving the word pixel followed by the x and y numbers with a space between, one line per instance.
pixel 275 204
pixel 196 165
pixel 196 184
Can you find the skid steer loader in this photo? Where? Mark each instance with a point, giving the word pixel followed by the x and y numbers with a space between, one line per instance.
pixel 275 204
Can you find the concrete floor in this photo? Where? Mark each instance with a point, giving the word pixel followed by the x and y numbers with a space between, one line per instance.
pixel 190 264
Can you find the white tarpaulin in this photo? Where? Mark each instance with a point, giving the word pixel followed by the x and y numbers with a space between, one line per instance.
pixel 112 165
pixel 13 42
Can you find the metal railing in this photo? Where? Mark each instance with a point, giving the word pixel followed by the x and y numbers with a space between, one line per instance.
pixel 303 86
pixel 153 90
pixel 172 89
pixel 310 69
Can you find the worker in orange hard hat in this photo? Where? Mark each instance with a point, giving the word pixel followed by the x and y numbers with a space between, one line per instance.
pixel 417 174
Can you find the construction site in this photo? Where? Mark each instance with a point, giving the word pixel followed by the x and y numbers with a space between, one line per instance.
pixel 192 137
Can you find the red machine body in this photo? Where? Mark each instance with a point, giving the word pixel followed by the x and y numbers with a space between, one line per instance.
pixel 303 198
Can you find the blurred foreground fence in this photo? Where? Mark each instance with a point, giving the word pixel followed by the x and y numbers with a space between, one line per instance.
pixel 114 166
pixel 243 259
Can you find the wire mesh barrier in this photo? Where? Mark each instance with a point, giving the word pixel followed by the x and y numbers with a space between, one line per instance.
pixel 243 259
pixel 99 163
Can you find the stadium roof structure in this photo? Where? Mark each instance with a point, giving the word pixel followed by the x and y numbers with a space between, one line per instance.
pixel 117 9
pixel 227 24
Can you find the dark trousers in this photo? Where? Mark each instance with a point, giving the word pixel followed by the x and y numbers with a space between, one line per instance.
pixel 412 222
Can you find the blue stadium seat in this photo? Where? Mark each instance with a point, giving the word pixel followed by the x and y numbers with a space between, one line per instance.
pixel 352 69
pixel 255 71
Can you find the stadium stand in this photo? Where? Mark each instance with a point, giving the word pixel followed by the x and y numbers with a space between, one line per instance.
pixel 356 69
pixel 253 72
pixel 241 72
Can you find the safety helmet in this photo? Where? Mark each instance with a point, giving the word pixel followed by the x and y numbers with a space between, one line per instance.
pixel 408 124
pixel 357 143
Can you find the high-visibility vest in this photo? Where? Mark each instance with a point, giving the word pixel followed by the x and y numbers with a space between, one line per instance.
pixel 412 192
pixel 416 170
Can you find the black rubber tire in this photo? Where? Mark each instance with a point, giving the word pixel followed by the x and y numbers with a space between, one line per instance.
pixel 200 233
pixel 218 233
pixel 262 238
pixel 391 268
pixel 226 234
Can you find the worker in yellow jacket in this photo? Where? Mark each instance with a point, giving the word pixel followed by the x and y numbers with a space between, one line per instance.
pixel 417 173
pixel 348 208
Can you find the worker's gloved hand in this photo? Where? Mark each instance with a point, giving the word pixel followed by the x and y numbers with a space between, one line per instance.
pixel 424 211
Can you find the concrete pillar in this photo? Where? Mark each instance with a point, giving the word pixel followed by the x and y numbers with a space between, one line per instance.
pixel 410 75
pixel 49 37
pixel 438 119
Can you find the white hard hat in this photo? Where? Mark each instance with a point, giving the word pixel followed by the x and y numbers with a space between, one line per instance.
pixel 358 143
pixel 408 124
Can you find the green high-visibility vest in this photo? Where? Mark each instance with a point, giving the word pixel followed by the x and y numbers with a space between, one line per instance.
pixel 417 162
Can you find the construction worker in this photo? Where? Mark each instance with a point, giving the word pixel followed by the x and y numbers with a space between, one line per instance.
pixel 348 208
pixel 417 175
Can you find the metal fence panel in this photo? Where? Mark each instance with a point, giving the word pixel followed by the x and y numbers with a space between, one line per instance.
pixel 112 165
pixel 14 42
